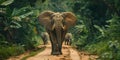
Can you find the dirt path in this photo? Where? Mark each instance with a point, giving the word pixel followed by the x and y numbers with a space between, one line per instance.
pixel 68 54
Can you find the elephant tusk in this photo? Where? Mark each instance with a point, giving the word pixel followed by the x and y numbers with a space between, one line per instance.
pixel 64 27
pixel 53 27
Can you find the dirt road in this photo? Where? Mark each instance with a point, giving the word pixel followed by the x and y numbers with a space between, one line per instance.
pixel 68 54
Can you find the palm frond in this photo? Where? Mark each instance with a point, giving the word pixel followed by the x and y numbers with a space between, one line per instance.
pixel 5 3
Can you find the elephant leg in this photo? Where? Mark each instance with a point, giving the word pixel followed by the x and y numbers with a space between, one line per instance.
pixel 51 40
pixel 68 42
pixel 60 47
pixel 59 41
pixel 54 43
pixel 44 41
pixel 65 42
pixel 63 33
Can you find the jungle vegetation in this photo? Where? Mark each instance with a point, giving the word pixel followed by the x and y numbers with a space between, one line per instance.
pixel 97 30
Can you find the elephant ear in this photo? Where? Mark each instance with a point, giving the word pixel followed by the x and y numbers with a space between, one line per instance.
pixel 69 19
pixel 45 18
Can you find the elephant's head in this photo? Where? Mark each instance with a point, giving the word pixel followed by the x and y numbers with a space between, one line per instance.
pixel 52 20
pixel 57 25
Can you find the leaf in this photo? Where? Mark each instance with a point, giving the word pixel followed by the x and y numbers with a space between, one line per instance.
pixel 25 15
pixel 7 2
pixel 16 25
pixel 100 29
pixel 15 12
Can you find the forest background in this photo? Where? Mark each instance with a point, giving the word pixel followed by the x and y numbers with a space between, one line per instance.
pixel 97 30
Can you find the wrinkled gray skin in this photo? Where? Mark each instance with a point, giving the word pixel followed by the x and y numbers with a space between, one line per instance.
pixel 45 37
pixel 68 39
pixel 57 25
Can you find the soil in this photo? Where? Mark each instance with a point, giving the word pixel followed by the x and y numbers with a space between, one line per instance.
pixel 69 53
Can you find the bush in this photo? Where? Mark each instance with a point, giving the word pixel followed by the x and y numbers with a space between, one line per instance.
pixel 13 50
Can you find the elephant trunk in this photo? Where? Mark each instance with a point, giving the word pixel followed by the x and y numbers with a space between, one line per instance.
pixel 59 40
pixel 58 28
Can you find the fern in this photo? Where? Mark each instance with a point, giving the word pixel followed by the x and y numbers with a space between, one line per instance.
pixel 5 3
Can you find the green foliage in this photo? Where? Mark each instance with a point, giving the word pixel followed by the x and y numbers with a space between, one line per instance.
pixel 114 28
pixel 5 3
pixel 112 52
pixel 101 21
pixel 13 50
pixel 18 29
pixel 98 23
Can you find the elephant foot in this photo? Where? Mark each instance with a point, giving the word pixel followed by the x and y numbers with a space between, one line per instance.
pixel 56 53
pixel 60 53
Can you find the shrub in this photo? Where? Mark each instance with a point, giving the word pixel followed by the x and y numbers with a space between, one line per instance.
pixel 13 50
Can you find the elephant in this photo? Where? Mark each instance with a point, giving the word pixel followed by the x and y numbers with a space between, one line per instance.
pixel 68 39
pixel 57 25
pixel 45 37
